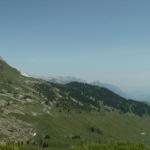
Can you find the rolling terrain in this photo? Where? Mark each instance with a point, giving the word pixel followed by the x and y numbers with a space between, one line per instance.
pixel 58 116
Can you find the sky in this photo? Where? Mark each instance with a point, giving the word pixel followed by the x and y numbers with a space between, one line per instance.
pixel 106 40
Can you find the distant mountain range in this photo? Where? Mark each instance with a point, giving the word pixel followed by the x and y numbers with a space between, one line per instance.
pixel 111 87
pixel 62 79
pixel 138 95
pixel 67 111
pixel 68 79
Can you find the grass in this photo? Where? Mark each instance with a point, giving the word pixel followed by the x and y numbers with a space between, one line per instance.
pixel 108 127
pixel 115 146
pixel 93 146
pixel 11 147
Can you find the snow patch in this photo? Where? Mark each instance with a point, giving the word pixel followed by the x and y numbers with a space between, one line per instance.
pixel 24 74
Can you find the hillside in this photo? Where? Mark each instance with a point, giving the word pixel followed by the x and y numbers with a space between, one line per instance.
pixel 90 97
pixel 34 110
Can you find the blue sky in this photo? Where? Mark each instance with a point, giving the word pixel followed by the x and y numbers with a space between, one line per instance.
pixel 106 40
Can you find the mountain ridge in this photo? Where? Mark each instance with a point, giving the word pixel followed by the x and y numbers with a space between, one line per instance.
pixel 69 113
pixel 98 93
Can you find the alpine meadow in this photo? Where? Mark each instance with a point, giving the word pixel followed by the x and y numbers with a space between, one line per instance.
pixel 74 75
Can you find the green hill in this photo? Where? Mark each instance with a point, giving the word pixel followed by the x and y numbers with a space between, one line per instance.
pixel 56 116
pixel 7 73
pixel 88 97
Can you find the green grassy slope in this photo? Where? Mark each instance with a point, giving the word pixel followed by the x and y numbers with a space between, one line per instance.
pixel 7 71
pixel 66 129
pixel 88 97
pixel 116 146
pixel 33 110
pixel 93 146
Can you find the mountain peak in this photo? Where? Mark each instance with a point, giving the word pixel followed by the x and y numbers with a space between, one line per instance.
pixel 1 58
pixel 2 61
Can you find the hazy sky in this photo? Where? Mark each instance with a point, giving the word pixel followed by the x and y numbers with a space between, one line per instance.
pixel 106 40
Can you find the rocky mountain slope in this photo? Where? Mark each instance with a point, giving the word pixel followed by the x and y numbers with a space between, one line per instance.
pixel 32 109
